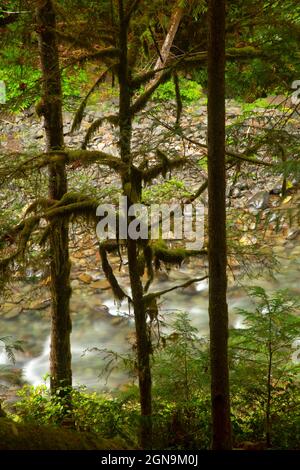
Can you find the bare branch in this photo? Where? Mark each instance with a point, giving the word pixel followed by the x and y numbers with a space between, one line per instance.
pixel 149 297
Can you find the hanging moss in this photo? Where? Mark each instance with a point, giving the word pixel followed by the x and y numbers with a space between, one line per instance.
pixel 148 256
pixel 45 235
pixel 71 205
pixel 113 119
pixel 152 309
pixel 40 203
pixel 141 264
pixel 104 247
pixel 30 225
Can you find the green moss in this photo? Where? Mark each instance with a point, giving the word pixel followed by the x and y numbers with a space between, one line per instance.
pixel 15 436
pixel 168 255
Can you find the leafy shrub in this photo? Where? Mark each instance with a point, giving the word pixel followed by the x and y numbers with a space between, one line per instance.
pixel 190 91
pixel 101 414
pixel 23 84
pixel 169 189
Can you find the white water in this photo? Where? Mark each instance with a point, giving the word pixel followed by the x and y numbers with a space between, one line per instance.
pixel 35 369
pixel 3 358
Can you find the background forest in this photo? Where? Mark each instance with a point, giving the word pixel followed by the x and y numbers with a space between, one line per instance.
pixel 147 344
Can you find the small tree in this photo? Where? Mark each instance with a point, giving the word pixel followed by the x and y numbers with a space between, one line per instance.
pixel 181 382
pixel 181 363
pixel 262 354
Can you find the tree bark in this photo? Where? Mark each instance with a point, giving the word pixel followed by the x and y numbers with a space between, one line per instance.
pixel 130 180
pixel 166 47
pixel 168 42
pixel 218 310
pixel 51 105
pixel 269 383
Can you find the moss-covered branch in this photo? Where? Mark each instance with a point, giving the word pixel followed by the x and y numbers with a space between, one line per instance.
pixel 143 99
pixel 30 162
pixel 113 119
pixel 172 255
pixel 163 167
pixel 79 114
pixel 104 248
pixel 71 205
pixel 105 53
pixel 23 232
pixel 232 53
pixel 87 157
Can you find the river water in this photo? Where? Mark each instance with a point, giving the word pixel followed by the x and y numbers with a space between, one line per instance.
pixel 98 322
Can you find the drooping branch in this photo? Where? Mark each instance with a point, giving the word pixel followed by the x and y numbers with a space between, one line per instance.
pixel 30 162
pixel 40 204
pixel 23 233
pixel 79 114
pixel 105 53
pixel 246 155
pixel 104 248
pixel 87 157
pixel 72 204
pixel 148 298
pixel 143 99
pixel 162 168
pixel 113 119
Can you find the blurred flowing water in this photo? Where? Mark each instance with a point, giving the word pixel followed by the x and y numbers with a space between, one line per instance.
pixel 98 322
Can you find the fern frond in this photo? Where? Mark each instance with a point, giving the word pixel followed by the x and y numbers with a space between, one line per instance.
pixel 10 347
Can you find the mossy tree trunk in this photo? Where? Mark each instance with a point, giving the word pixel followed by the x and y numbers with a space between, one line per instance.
pixel 132 189
pixel 51 106
pixel 218 310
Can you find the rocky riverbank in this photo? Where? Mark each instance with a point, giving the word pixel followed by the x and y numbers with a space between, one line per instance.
pixel 97 320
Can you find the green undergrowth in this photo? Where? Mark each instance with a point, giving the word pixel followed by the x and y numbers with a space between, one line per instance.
pixel 181 386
